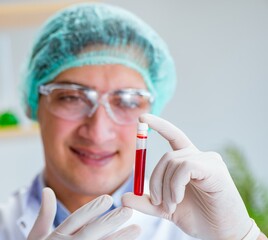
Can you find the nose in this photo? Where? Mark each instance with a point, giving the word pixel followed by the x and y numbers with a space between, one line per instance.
pixel 99 128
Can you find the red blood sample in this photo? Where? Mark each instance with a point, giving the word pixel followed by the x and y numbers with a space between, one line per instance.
pixel 139 171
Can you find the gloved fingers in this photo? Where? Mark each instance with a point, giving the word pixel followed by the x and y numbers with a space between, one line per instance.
pixel 128 233
pixel 168 203
pixel 157 177
pixel 104 225
pixel 143 204
pixel 59 236
pixel 177 139
pixel 156 180
pixel 45 217
pixel 85 214
pixel 185 172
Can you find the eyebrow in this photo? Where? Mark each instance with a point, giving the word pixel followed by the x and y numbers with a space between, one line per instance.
pixel 66 81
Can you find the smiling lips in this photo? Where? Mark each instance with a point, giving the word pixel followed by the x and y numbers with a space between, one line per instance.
pixel 93 159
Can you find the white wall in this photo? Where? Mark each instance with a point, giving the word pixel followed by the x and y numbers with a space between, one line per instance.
pixel 21 159
pixel 221 52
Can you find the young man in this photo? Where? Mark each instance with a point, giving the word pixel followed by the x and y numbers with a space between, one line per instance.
pixel 93 72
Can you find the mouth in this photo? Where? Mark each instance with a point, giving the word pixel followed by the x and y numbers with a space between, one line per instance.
pixel 90 158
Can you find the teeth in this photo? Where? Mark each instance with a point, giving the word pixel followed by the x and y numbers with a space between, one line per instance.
pixel 92 156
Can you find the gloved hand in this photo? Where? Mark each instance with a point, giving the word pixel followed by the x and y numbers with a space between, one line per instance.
pixel 194 190
pixel 84 223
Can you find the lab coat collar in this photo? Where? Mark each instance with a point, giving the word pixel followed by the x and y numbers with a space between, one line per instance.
pixel 30 208
pixel 31 202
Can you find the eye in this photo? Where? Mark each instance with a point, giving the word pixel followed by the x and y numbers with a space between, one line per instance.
pixel 67 97
pixel 130 104
pixel 126 101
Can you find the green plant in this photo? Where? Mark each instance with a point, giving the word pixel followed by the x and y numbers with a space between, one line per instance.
pixel 253 193
pixel 8 118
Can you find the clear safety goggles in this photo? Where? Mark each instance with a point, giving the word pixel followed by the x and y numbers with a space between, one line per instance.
pixel 74 102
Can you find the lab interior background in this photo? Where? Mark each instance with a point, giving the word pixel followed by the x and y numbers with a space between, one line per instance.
pixel 221 54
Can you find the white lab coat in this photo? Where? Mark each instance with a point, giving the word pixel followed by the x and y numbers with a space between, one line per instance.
pixel 17 217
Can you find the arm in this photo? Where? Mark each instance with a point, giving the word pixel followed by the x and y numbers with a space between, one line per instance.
pixel 194 190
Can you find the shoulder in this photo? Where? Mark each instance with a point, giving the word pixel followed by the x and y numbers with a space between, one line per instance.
pixel 14 204
pixel 10 211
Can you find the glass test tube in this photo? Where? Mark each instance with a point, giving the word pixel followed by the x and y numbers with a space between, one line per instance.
pixel 141 144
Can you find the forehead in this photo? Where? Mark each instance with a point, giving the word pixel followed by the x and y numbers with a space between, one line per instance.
pixel 102 77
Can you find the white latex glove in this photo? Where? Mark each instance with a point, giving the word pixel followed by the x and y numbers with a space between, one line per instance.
pixel 194 190
pixel 84 223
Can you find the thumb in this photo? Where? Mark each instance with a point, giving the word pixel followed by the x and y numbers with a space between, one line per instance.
pixel 44 221
pixel 142 204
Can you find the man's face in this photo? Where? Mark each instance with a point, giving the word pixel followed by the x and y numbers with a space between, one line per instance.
pixel 95 155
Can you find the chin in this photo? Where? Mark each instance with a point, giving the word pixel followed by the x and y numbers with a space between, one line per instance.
pixel 97 186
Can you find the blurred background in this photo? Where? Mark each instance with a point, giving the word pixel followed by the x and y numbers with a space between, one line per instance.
pixel 221 54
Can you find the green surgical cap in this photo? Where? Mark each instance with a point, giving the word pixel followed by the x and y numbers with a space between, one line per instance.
pixel 94 34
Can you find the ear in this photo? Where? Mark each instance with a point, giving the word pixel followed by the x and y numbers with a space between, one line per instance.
pixel 28 112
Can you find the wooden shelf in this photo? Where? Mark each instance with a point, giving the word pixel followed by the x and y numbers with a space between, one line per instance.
pixel 29 14
pixel 7 132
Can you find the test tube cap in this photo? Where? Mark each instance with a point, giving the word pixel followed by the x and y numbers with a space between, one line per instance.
pixel 142 126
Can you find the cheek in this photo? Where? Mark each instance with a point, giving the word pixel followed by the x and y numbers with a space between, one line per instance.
pixel 59 131
pixel 128 140
pixel 55 132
